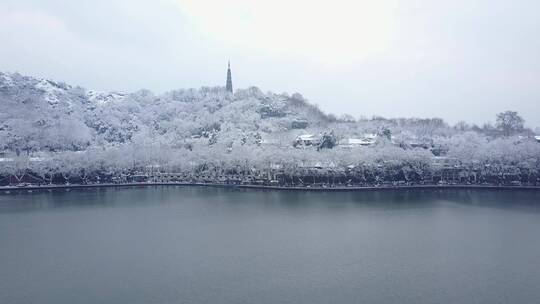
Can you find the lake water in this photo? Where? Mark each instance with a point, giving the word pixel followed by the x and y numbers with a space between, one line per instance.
pixel 211 245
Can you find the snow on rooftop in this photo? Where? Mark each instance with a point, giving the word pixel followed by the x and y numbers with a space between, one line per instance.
pixel 307 137
pixel 370 135
pixel 351 142
pixel 268 141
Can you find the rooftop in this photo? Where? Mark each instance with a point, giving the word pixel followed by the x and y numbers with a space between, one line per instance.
pixel 307 137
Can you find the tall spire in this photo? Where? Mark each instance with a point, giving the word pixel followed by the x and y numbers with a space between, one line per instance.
pixel 228 86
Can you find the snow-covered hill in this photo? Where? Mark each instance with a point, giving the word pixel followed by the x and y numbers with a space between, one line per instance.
pixel 72 131
pixel 42 114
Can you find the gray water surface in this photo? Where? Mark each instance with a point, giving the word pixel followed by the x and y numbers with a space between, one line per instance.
pixel 209 245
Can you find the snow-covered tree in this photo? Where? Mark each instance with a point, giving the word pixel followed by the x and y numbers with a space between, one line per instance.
pixel 509 123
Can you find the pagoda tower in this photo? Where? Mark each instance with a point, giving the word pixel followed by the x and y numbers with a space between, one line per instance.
pixel 228 86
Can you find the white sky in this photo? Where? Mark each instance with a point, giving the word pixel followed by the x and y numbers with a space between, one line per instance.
pixel 459 60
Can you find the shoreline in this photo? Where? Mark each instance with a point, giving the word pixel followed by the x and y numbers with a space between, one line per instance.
pixel 30 189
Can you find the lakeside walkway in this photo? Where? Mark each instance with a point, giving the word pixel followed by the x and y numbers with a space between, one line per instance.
pixel 32 188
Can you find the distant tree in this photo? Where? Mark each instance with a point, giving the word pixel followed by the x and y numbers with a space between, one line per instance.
pixel 509 123
pixel 331 117
pixel 297 96
pixel 328 141
pixel 213 137
pixel 462 126
pixel 488 129
pixel 258 139
pixel 347 118
pixel 386 133
pixel 378 118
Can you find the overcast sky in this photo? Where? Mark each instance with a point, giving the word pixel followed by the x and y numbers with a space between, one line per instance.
pixel 459 59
